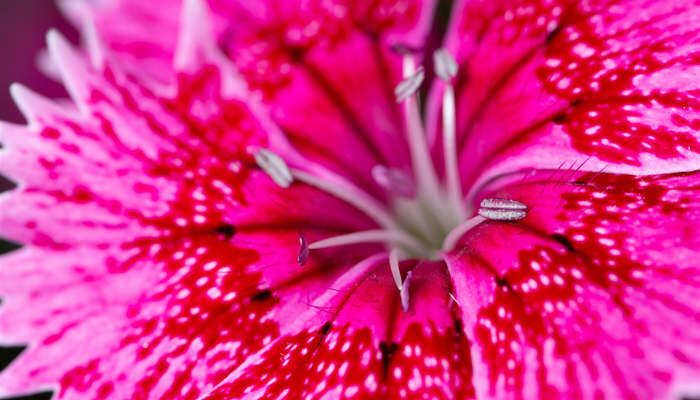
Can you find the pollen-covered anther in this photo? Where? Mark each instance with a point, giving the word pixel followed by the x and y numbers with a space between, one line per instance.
pixel 445 65
pixel 275 167
pixel 407 87
pixel 303 254
pixel 502 209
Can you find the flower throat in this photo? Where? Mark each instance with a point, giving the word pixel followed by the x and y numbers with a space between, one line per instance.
pixel 426 216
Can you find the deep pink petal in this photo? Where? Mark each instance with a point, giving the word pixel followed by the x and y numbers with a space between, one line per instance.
pixel 326 67
pixel 145 224
pixel 584 298
pixel 598 83
pixel 332 58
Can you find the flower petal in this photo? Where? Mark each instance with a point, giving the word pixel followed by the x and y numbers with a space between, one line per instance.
pixel 330 57
pixel 146 221
pixel 368 347
pixel 595 81
pixel 589 301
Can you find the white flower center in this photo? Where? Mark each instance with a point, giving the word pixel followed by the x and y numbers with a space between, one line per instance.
pixel 426 216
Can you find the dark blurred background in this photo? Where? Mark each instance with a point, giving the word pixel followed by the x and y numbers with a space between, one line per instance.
pixel 23 27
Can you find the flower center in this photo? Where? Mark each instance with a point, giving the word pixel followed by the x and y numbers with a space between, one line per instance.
pixel 426 216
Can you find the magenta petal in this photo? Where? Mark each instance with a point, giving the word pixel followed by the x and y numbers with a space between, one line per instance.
pixel 148 234
pixel 326 67
pixel 542 83
pixel 588 301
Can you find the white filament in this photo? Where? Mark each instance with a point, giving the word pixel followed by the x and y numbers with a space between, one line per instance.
pixel 446 69
pixel 394 265
pixel 454 185
pixel 417 142
pixel 371 236
pixel 357 198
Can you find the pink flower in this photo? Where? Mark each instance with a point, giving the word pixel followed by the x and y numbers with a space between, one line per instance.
pixel 236 206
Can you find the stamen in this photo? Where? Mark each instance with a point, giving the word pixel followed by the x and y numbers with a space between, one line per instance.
pixel 275 167
pixel 350 194
pixel 405 300
pixel 409 85
pixel 493 209
pixel 394 265
pixel 393 180
pixel 502 209
pixel 303 249
pixel 445 66
pixel 446 69
pixel 421 160
pixel 371 236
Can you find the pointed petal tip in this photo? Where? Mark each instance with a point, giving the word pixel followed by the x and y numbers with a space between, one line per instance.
pixel 33 105
pixel 74 10
pixel 74 70
pixel 56 40
pixel 16 90
pixel 93 43
pixel 27 101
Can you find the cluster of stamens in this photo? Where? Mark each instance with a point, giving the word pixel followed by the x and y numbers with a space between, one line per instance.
pixel 427 217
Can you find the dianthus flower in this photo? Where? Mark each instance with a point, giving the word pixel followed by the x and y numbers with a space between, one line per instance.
pixel 338 199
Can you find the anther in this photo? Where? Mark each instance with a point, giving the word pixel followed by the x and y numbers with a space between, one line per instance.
pixel 502 209
pixel 407 87
pixel 393 180
pixel 303 254
pixel 445 66
pixel 405 287
pixel 275 167
pixel 446 69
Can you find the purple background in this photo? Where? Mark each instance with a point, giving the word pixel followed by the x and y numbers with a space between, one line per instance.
pixel 23 27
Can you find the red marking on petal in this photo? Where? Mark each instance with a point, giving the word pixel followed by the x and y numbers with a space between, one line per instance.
pixel 584 304
pixel 575 79
pixel 619 68
pixel 136 228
